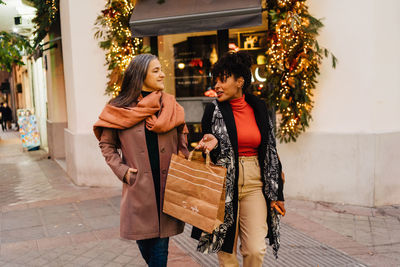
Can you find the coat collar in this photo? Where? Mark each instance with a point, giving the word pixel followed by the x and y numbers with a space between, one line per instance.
pixel 229 119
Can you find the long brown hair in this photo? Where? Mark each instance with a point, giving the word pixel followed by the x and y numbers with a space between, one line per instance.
pixel 132 83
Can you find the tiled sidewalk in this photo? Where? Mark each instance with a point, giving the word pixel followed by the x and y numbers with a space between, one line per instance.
pixel 371 235
pixel 29 177
pixel 79 233
pixel 46 220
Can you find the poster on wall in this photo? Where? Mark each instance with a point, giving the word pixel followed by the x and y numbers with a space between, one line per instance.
pixel 28 129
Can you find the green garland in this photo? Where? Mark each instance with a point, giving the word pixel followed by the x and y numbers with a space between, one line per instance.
pixel 293 60
pixel 112 29
pixel 47 15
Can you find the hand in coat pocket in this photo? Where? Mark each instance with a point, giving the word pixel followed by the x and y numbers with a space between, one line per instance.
pixel 128 175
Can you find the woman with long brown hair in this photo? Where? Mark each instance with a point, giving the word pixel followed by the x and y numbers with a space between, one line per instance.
pixel 146 125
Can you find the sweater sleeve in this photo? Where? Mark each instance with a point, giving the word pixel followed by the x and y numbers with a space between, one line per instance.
pixel 108 145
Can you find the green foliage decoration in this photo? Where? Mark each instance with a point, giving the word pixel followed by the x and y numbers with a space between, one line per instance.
pixel 294 57
pixel 114 35
pixel 47 15
pixel 12 48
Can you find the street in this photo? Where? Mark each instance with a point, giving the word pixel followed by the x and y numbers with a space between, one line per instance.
pixel 46 220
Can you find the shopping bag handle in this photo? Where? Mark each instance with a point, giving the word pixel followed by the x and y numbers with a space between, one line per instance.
pixel 207 157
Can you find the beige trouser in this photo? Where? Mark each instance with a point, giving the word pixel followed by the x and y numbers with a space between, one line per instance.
pixel 252 217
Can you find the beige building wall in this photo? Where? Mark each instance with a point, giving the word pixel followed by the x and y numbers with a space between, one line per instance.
pixel 57 109
pixel 85 81
pixel 350 153
pixel 39 98
pixel 27 84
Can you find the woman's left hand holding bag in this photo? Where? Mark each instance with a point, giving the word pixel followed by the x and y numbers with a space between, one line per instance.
pixel 207 143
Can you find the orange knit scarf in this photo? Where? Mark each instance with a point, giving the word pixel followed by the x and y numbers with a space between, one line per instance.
pixel 170 115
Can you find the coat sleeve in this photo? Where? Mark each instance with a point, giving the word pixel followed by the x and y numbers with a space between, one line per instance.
pixel 109 143
pixel 206 124
pixel 182 140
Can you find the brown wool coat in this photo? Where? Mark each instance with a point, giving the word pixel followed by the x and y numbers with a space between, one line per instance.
pixel 139 216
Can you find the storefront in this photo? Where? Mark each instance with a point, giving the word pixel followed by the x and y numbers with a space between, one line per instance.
pixel 190 36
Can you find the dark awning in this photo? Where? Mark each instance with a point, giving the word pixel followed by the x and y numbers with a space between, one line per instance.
pixel 179 16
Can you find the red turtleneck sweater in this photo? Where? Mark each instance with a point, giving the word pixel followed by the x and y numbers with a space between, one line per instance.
pixel 249 136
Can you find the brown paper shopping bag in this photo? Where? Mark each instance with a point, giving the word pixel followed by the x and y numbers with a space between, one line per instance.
pixel 195 192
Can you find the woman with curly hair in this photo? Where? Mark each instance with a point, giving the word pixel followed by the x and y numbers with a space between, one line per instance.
pixel 239 135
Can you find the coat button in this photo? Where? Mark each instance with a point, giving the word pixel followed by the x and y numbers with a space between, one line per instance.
pixel 162 150
pixel 163 171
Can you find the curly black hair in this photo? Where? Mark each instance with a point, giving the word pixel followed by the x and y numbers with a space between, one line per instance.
pixel 236 64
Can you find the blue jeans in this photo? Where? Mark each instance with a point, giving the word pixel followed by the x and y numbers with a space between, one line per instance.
pixel 154 251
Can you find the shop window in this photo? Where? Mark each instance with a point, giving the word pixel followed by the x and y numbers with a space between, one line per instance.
pixel 193 60
pixel 187 60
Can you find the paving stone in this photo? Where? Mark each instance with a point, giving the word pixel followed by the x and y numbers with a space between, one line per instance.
pixel 139 262
pixel 18 223
pixel 81 261
pixel 108 233
pixel 38 262
pixel 12 265
pixel 93 253
pixel 58 209
pixel 51 255
pixel 113 264
pixel 96 263
pixel 65 258
pixel 20 214
pixel 107 256
pixel 66 229
pixel 52 242
pixel 122 259
pixel 83 237
pixel 23 234
pixel 102 222
pixel 97 212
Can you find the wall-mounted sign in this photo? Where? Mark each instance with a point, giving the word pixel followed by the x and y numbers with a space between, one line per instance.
pixel 252 40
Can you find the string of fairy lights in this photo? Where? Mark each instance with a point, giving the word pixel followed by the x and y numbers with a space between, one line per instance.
pixel 53 9
pixel 292 66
